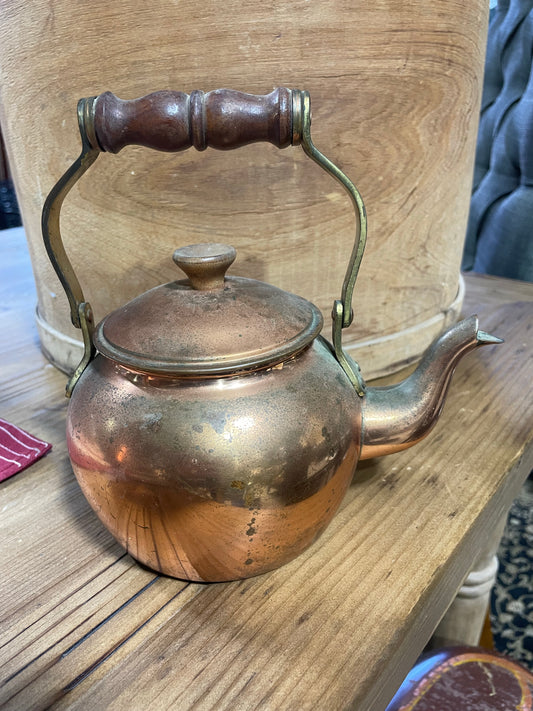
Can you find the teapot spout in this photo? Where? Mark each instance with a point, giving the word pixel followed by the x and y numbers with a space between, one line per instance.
pixel 397 416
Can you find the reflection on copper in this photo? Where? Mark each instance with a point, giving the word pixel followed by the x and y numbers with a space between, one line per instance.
pixel 398 416
pixel 217 483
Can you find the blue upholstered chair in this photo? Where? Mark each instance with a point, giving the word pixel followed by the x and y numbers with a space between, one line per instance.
pixel 500 228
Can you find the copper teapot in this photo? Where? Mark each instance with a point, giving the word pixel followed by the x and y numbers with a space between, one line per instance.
pixel 211 427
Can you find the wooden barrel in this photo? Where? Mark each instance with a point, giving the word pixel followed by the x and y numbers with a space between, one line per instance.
pixel 395 91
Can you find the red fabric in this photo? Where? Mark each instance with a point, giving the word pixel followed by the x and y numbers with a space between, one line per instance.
pixel 18 449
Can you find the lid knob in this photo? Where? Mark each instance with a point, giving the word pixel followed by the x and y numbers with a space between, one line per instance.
pixel 205 264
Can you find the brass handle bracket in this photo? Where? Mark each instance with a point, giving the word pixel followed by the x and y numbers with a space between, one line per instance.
pixel 342 314
pixel 296 124
pixel 89 351
pixel 80 310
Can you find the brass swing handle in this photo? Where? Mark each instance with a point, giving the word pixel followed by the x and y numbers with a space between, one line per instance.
pixel 174 121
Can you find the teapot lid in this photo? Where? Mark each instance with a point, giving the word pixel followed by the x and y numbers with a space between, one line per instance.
pixel 208 324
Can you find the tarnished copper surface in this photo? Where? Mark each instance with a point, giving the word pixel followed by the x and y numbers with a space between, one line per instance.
pixel 180 330
pixel 220 478
pixel 398 416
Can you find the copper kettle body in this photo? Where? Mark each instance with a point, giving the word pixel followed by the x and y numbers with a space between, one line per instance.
pixel 216 478
pixel 211 428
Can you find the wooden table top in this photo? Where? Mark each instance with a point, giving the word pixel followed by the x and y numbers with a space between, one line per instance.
pixel 82 626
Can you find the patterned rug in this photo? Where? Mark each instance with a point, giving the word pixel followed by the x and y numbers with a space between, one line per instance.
pixel 512 596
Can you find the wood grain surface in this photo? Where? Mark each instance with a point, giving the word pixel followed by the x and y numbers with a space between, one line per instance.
pixel 83 626
pixel 395 89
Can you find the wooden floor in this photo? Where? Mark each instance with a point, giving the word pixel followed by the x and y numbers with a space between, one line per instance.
pixel 82 626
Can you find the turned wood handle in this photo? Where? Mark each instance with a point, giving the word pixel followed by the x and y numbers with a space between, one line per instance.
pixel 174 121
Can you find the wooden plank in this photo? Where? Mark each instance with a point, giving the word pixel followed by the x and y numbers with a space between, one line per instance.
pixel 487 291
pixel 83 626
pixel 67 652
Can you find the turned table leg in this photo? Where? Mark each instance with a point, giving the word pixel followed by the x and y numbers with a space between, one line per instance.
pixel 463 621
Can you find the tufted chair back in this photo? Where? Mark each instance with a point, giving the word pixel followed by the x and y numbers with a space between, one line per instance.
pixel 500 228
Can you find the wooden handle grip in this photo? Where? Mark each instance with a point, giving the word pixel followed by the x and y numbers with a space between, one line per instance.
pixel 174 121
